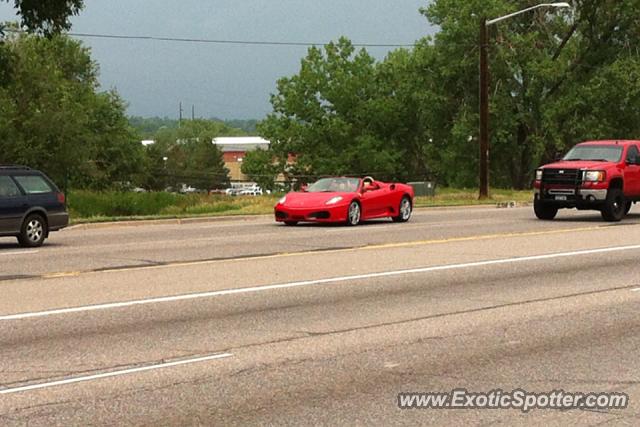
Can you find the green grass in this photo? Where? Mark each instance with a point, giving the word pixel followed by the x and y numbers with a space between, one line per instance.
pixel 467 197
pixel 86 206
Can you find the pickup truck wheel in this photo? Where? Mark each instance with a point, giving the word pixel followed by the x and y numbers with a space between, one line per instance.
pixel 627 209
pixel 544 211
pixel 614 206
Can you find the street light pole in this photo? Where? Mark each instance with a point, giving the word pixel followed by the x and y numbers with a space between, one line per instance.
pixel 484 91
pixel 484 109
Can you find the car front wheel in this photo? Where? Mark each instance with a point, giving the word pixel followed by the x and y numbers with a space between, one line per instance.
pixel 33 231
pixel 353 214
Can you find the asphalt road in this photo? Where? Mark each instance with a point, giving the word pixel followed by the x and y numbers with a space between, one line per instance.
pixel 247 322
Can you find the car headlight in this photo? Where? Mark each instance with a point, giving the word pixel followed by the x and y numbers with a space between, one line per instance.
pixel 334 200
pixel 595 176
pixel 282 200
pixel 539 175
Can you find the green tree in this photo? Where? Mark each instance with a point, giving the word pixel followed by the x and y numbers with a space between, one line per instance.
pixel 48 17
pixel 546 68
pixel 192 159
pixel 117 154
pixel 261 167
pixel 206 163
pixel 54 119
pixel 338 116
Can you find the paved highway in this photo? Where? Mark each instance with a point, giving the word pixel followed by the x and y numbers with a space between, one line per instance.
pixel 247 322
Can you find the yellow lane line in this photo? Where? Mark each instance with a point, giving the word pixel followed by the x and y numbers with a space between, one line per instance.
pixel 481 237
pixel 328 251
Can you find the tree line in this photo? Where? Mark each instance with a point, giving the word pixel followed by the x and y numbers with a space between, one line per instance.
pixel 557 78
pixel 54 118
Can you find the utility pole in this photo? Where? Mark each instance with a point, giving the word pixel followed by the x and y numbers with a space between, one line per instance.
pixel 484 89
pixel 484 109
pixel 180 114
pixel 193 112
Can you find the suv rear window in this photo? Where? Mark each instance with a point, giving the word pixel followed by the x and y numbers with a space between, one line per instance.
pixel 8 188
pixel 33 184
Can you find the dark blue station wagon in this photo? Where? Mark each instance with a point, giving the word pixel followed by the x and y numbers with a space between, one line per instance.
pixel 31 205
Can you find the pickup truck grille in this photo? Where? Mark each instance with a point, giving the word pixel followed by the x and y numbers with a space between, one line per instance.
pixel 571 177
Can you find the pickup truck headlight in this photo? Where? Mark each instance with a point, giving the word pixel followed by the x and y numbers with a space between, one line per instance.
pixel 334 200
pixel 539 175
pixel 595 176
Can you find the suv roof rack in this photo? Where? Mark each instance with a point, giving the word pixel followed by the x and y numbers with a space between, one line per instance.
pixel 4 167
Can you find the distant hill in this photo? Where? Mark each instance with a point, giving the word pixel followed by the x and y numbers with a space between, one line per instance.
pixel 249 126
pixel 147 127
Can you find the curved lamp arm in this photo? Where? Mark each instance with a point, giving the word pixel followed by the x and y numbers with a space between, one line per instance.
pixel 511 15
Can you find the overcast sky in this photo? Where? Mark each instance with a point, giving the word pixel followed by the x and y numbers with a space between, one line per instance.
pixel 226 81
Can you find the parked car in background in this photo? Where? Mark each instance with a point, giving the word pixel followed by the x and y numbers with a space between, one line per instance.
pixel 251 191
pixel 187 189
pixel 244 189
pixel 31 206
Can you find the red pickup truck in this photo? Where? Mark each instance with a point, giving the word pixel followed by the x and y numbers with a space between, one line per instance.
pixel 595 175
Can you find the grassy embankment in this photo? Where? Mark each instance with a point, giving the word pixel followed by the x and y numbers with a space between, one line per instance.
pixel 87 206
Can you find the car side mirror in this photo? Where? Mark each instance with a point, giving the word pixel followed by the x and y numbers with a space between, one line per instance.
pixel 393 186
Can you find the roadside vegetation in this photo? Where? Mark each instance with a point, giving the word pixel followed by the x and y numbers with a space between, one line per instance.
pixel 87 206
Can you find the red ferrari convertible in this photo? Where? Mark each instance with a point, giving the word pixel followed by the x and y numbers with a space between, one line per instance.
pixel 346 200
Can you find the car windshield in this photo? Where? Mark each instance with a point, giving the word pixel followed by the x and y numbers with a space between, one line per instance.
pixel 344 185
pixel 602 153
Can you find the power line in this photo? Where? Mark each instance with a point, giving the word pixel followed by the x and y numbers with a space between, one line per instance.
pixel 217 41
pixel 232 42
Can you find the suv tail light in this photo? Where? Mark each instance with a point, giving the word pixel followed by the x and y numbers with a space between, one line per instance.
pixel 61 198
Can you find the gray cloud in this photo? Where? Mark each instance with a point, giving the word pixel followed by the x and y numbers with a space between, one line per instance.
pixel 226 81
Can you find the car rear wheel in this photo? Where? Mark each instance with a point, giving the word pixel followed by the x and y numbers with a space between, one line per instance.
pixel 291 223
pixel 627 209
pixel 544 211
pixel 614 206
pixel 33 231
pixel 404 212
pixel 353 214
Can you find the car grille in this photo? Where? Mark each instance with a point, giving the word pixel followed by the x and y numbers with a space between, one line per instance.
pixel 572 177
pixel 320 215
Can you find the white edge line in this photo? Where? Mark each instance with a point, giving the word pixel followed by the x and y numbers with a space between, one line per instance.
pixel 113 374
pixel 255 289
